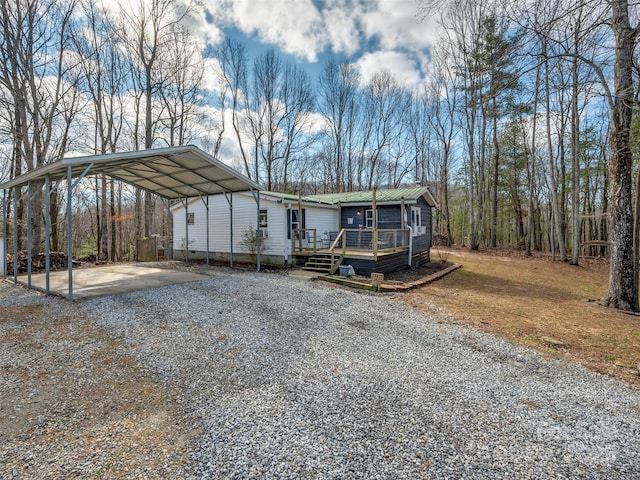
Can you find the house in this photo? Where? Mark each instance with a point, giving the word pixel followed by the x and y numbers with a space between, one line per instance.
pixel 320 232
pixel 228 228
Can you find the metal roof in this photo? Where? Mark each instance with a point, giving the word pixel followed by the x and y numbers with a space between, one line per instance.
pixel 171 172
pixel 395 195
pixel 294 198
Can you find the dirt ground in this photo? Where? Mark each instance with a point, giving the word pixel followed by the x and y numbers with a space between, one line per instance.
pixel 73 406
pixel 538 303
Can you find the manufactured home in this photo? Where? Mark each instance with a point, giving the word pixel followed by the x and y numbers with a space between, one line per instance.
pixel 230 225
pixel 319 232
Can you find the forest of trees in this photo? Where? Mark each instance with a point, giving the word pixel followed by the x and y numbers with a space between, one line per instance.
pixel 523 126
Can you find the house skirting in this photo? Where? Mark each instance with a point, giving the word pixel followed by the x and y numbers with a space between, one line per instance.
pixel 364 266
pixel 199 255
pixel 394 262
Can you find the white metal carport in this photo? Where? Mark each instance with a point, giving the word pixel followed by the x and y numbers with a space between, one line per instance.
pixel 175 173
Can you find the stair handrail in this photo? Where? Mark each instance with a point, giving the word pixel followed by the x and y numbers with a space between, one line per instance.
pixel 335 242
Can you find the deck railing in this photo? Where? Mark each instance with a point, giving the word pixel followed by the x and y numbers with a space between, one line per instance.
pixel 374 241
pixel 305 239
pixel 356 240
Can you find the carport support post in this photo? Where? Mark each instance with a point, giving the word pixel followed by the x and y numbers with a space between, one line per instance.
pixel 256 195
pixel 186 230
pixel 4 234
pixel 207 207
pixel 47 231
pixel 69 232
pixel 169 232
pixel 15 234
pixel 229 198
pixel 231 228
pixel 29 249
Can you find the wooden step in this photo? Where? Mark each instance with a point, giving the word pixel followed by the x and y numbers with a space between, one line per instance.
pixel 323 263
pixel 317 269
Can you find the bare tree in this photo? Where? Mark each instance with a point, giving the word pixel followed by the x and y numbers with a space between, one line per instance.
pixel 148 29
pixel 622 292
pixel 444 95
pixel 383 108
pixel 181 75
pixel 105 70
pixel 42 81
pixel 339 105
pixel 233 58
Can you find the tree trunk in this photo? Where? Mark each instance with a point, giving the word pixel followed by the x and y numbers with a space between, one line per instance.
pixel 622 293
pixel 54 209
pixel 531 170
pixel 575 164
pixel 495 177
pixel 555 200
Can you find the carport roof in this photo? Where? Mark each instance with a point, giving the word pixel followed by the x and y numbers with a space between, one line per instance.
pixel 171 172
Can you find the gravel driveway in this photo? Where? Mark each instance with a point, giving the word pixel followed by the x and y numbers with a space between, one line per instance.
pixel 291 379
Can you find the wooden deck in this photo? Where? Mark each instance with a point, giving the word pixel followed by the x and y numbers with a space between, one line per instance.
pixel 364 262
pixel 349 253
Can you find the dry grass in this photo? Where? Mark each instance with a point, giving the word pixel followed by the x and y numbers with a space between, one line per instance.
pixel 540 304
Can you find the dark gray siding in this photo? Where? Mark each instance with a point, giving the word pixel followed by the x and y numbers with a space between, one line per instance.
pixel 423 243
pixel 351 212
pixel 385 264
pixel 425 211
pixel 388 216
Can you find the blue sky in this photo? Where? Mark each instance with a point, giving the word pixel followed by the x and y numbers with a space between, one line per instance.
pixel 373 34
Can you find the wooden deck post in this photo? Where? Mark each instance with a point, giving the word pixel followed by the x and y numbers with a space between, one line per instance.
pixel 403 225
pixel 300 229
pixel 374 222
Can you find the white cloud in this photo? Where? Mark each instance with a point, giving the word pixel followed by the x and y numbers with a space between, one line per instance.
pixel 305 30
pixel 397 25
pixel 197 23
pixel 403 68
pixel 212 74
pixel 316 123
pixel 295 27
pixel 195 20
pixel 341 23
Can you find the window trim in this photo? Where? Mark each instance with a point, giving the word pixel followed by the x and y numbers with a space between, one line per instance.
pixel 368 218
pixel 416 226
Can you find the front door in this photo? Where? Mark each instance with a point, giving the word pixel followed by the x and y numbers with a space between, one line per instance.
pixel 294 222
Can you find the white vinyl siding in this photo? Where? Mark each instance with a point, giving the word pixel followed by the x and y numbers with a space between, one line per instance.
pixel 245 216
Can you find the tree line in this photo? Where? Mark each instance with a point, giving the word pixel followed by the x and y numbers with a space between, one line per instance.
pixel 523 126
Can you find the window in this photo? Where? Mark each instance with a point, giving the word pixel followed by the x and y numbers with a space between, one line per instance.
pixel 416 221
pixel 293 221
pixel 263 219
pixel 263 231
pixel 191 218
pixel 368 218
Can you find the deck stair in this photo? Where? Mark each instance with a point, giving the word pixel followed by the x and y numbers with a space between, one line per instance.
pixel 323 262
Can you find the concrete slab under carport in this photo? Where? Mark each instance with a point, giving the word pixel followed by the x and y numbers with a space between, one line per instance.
pixel 109 280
